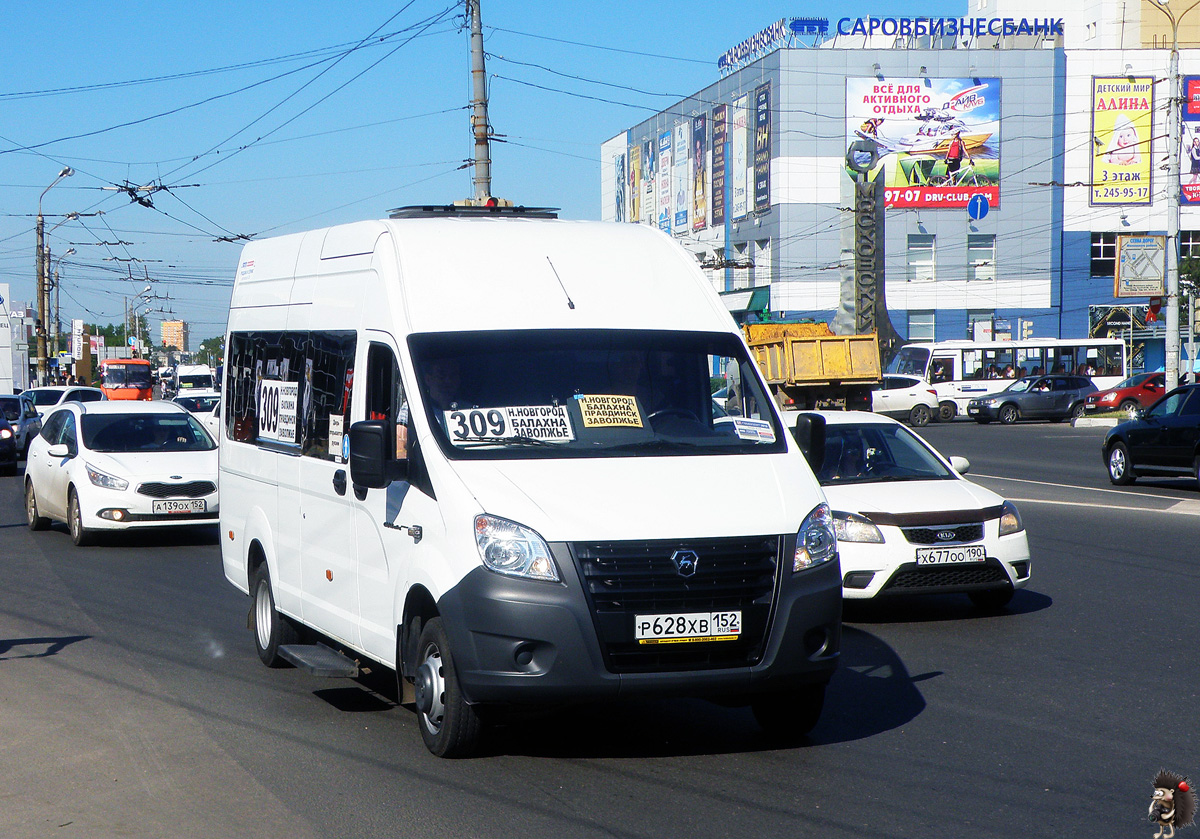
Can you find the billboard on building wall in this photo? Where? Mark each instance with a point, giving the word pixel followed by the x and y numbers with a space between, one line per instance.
pixel 619 183
pixel 1189 167
pixel 1122 119
pixel 938 139
pixel 762 147
pixel 719 137
pixel 649 182
pixel 1141 266
pixel 699 151
pixel 664 181
pixel 635 184
pixel 738 160
pixel 679 176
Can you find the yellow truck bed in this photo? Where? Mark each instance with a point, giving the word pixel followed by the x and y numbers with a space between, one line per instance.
pixel 821 359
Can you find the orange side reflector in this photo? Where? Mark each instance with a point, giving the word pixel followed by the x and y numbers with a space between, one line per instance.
pixel 329 575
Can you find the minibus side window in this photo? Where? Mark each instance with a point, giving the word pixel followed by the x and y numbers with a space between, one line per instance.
pixel 327 389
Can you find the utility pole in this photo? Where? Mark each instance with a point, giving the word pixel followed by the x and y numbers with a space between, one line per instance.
pixel 43 261
pixel 479 106
pixel 1171 365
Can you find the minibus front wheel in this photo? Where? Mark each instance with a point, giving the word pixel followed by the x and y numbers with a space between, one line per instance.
pixel 449 726
pixel 271 629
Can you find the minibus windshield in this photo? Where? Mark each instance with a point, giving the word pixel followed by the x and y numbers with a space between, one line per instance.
pixel 592 393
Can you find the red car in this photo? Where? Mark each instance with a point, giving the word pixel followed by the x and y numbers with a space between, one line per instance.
pixel 1132 396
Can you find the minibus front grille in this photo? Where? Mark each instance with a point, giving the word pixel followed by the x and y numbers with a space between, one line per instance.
pixel 626 579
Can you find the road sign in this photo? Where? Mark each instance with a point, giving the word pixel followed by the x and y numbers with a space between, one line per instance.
pixel 1141 266
pixel 1155 304
pixel 978 207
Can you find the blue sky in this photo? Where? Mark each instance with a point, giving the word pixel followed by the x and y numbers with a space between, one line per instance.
pixel 266 118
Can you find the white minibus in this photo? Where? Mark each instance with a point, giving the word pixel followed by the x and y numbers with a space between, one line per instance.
pixel 964 370
pixel 482 451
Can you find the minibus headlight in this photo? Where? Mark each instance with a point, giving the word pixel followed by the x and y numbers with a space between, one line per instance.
pixel 816 542
pixel 509 548
pixel 1010 520
pixel 852 528
pixel 103 479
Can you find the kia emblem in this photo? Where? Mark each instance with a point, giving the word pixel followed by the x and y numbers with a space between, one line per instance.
pixel 946 535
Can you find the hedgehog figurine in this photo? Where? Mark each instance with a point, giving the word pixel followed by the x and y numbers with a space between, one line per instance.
pixel 1172 805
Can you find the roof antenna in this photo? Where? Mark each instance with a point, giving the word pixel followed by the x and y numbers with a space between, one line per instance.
pixel 570 302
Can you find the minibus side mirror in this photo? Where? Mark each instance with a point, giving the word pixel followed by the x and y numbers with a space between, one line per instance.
pixel 372 455
pixel 810 436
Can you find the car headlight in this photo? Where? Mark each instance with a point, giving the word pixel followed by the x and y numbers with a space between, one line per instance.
pixel 1108 397
pixel 509 548
pixel 816 541
pixel 852 528
pixel 103 479
pixel 1010 520
pixel 5 433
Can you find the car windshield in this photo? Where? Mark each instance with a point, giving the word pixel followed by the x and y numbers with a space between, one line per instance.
pixel 195 382
pixel 11 409
pixel 1020 385
pixel 127 375
pixel 1132 381
pixel 198 404
pixel 591 393
pixel 42 398
pixel 144 433
pixel 876 452
pixel 910 361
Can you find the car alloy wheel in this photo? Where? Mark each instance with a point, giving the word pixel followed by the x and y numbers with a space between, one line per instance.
pixel 1009 414
pixel 1120 471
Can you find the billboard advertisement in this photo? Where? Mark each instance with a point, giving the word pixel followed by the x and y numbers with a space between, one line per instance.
pixel 699 172
pixel 664 181
pixel 762 147
pixel 938 139
pixel 1189 166
pixel 738 160
pixel 1122 118
pixel 635 183
pixel 649 183
pixel 679 176
pixel 619 182
pixel 719 116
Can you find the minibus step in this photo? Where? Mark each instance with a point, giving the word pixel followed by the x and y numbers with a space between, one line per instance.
pixel 319 660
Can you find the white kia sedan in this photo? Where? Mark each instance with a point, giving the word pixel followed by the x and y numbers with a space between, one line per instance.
pixel 907 522
pixel 120 465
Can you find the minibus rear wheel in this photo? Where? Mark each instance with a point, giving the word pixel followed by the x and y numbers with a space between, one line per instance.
pixel 271 629
pixel 449 726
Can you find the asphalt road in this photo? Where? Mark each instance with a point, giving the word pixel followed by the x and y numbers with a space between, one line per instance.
pixel 132 703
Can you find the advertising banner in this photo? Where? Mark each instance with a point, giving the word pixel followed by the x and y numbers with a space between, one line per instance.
pixel 664 181
pixel 635 183
pixel 1122 118
pixel 938 139
pixel 649 183
pixel 1189 166
pixel 681 201
pixel 619 196
pixel 738 161
pixel 718 164
pixel 699 172
pixel 762 147
pixel 1141 266
pixel 77 339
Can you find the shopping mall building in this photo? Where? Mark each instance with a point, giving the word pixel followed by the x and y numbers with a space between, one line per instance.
pixel 1016 151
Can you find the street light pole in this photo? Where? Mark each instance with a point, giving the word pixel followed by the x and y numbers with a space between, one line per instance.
pixel 43 295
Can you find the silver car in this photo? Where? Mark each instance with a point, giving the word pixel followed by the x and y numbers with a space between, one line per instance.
pixel 22 415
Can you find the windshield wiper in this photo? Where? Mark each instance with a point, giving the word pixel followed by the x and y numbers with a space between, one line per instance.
pixel 657 443
pixel 512 440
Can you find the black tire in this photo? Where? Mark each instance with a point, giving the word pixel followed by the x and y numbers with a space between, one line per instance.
pixel 35 521
pixel 1120 468
pixel 1196 470
pixel 919 416
pixel 80 535
pixel 992 599
pixel 449 726
pixel 789 714
pixel 1077 410
pixel 1131 408
pixel 1009 414
pixel 271 629
pixel 947 411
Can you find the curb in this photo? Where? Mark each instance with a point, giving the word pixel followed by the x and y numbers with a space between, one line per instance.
pixel 1095 422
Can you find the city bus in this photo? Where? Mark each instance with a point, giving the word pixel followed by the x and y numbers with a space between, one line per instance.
pixel 963 370
pixel 126 378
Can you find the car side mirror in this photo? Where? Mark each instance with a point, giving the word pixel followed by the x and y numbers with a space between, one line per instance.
pixel 960 464
pixel 373 462
pixel 60 450
pixel 810 436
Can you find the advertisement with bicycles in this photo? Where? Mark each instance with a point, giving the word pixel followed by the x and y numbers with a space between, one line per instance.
pixel 938 140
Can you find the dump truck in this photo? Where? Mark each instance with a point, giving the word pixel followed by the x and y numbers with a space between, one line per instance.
pixel 810 368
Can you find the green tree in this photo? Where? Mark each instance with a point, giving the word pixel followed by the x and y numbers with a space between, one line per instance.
pixel 212 351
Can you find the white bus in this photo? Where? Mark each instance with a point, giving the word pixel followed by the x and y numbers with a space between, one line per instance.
pixel 963 370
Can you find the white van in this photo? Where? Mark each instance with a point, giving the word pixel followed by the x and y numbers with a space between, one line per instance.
pixel 482 452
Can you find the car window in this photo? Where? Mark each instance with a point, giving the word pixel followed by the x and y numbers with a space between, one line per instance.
pixel 1191 408
pixel 45 398
pixel 90 395
pixel 53 427
pixel 11 409
pixel 68 437
pixel 145 433
pixel 873 453
pixel 1169 405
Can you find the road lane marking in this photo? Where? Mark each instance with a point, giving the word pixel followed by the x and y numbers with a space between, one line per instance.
pixel 1183 508
pixel 1123 492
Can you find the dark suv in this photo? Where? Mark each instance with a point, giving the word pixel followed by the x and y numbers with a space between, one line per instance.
pixel 1165 440
pixel 1055 397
